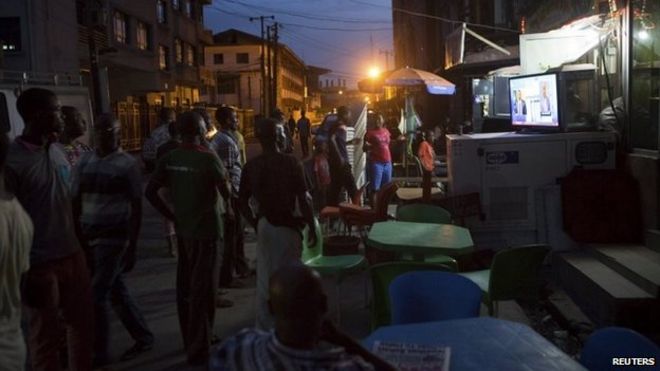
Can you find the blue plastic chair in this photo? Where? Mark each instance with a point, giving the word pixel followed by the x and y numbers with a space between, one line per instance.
pixel 617 342
pixel 429 296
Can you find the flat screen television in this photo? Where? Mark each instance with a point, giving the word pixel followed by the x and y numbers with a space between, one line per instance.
pixel 534 102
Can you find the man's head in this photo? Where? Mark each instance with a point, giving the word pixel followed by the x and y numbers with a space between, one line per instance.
pixel 298 303
pixel 208 123
pixel 302 113
pixel 107 129
pixel 166 115
pixel 191 127
pixel 41 113
pixel 428 135
pixel 518 95
pixel 343 114
pixel 74 124
pixel 271 134
pixel 374 120
pixel 277 115
pixel 227 118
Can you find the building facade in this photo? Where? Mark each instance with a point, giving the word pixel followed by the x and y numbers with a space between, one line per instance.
pixel 235 59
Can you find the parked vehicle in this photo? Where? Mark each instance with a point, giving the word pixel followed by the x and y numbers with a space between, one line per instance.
pixel 69 90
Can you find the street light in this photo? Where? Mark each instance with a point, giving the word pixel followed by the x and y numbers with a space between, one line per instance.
pixel 373 72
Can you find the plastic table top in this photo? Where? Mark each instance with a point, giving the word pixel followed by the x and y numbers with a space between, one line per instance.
pixel 421 238
pixel 482 343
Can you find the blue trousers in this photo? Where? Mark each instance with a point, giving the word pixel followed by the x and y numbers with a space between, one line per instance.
pixel 108 290
pixel 380 173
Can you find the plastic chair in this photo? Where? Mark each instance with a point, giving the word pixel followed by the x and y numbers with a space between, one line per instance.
pixel 425 213
pixel 433 296
pixel 332 212
pixel 381 277
pixel 364 217
pixel 513 274
pixel 616 342
pixel 336 266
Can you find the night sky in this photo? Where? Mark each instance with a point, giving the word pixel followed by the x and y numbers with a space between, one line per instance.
pixel 335 34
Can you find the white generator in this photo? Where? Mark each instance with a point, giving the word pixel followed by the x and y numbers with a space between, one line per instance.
pixel 510 171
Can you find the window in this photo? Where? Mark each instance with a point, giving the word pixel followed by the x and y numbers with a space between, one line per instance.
pixel 187 8
pixel 645 79
pixel 120 28
pixel 161 11
pixel 226 85
pixel 163 57
pixel 242 58
pixel 190 55
pixel 178 51
pixel 218 58
pixel 176 5
pixel 10 34
pixel 143 36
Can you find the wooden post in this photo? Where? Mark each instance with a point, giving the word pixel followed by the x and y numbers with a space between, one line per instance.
pixel 426 186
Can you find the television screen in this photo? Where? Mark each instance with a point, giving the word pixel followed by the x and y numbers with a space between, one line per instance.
pixel 534 101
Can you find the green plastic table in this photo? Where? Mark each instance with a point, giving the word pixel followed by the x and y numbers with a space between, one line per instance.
pixel 421 239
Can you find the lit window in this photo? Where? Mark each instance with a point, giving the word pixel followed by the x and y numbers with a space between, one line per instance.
pixel 10 33
pixel 187 7
pixel 142 36
pixel 161 11
pixel 163 57
pixel 190 55
pixel 120 29
pixel 218 58
pixel 178 51
pixel 242 58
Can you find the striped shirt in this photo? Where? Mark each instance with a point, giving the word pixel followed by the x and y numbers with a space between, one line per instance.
pixel 253 349
pixel 226 146
pixel 107 186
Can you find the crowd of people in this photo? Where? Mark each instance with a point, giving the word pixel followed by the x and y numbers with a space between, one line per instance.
pixel 70 217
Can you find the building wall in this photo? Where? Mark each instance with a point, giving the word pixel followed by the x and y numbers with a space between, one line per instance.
pixel 48 34
pixel 247 75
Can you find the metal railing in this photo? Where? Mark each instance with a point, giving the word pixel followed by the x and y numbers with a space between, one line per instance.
pixel 40 78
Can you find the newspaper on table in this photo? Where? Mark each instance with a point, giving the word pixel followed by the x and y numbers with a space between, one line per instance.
pixel 413 357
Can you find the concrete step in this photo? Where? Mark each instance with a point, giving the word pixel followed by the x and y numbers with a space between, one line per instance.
pixel 653 239
pixel 638 264
pixel 604 295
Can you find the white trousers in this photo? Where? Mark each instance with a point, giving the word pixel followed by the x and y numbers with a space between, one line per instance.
pixel 276 247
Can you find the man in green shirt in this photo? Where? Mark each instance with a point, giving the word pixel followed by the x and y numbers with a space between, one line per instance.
pixel 196 178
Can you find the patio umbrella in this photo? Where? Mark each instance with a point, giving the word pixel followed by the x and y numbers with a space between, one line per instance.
pixel 412 79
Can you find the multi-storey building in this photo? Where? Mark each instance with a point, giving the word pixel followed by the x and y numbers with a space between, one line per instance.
pixel 235 58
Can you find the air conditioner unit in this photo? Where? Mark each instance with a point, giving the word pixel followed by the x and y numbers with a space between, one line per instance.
pixel 509 169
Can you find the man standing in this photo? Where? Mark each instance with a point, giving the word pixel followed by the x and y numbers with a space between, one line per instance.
pixel 283 130
pixel 275 183
pixel 340 169
pixel 57 285
pixel 107 202
pixel 15 242
pixel 159 136
pixel 195 176
pixel 303 133
pixel 226 146
pixel 74 128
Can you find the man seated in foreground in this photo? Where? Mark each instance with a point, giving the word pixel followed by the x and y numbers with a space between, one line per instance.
pixel 302 339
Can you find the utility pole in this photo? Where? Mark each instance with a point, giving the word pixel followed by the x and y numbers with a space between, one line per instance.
pixel 269 69
pixel 93 57
pixel 263 69
pixel 371 43
pixel 276 52
pixel 387 54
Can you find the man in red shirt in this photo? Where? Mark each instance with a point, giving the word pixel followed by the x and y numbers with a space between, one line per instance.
pixel 377 143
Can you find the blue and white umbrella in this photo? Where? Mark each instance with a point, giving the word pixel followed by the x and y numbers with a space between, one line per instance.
pixel 411 77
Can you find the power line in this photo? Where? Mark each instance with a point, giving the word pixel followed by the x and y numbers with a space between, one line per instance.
pixel 377 29
pixel 305 15
pixel 438 18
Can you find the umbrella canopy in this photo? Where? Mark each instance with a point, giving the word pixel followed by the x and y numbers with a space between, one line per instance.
pixel 411 77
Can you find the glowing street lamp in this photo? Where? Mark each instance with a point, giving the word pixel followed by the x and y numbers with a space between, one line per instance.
pixel 373 72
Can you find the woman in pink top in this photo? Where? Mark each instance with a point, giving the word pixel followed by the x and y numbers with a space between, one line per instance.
pixel 377 143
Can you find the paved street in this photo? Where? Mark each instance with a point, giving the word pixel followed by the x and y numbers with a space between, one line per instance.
pixel 152 284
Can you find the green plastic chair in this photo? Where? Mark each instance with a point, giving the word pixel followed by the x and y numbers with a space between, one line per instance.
pixel 425 213
pixel 334 266
pixel 513 274
pixel 381 276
